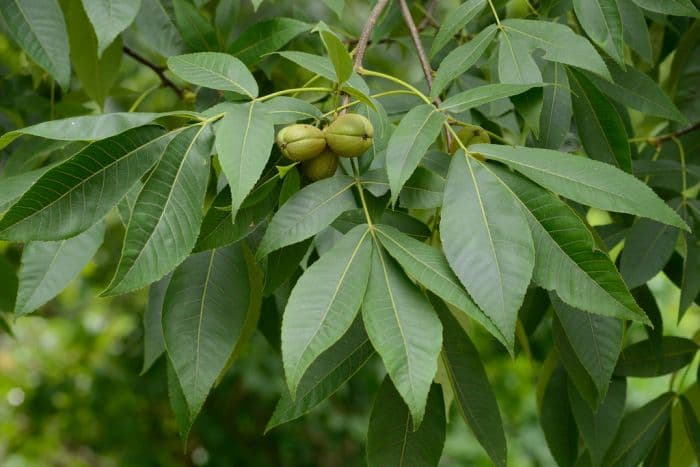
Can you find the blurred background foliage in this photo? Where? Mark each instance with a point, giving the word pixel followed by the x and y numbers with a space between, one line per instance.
pixel 70 389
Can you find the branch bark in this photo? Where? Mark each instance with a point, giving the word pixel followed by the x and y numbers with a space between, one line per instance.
pixel 158 70
pixel 662 139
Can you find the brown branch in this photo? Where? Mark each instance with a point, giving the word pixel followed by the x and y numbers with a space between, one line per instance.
pixel 158 70
pixel 676 134
pixel 422 57
pixel 428 18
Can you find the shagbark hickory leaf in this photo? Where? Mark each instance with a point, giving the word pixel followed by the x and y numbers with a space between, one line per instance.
pixel 423 190
pixel 557 420
pixel 244 140
pixel 286 110
pixel 165 222
pixel 391 438
pixel 486 240
pixel 196 31
pixel 515 64
pixel 473 394
pixel 48 267
pixel 575 370
pixel 656 357
pixel 153 345
pixel 585 181
pixel 155 23
pixel 648 247
pixel 559 43
pixel 555 119
pixel 324 302
pixel 210 298
pixel 670 7
pixel 596 341
pixel 322 66
pixel 74 195
pixel 308 212
pixel 339 56
pixel 86 127
pixel 481 95
pixel 215 70
pixel 430 268
pixel 566 258
pixel 602 22
pixel 265 37
pixel 109 18
pixel 638 431
pixel 409 142
pixel 460 59
pixel 39 27
pixel 457 20
pixel 601 129
pixel 403 329
pixel 325 375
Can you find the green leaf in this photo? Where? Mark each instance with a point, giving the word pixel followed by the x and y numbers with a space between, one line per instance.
pixel 655 357
pixel 600 128
pixel 474 396
pixel 283 266
pixel 219 229
pixel 322 66
pixel 455 21
pixel 404 330
pixel 585 181
pixel 326 375
pixel 77 193
pixel 167 215
pixel 596 341
pixel 423 190
pixel 393 441
pixel 196 31
pixel 109 18
pixel 48 267
pixel 308 212
pixel 481 95
pixel 602 22
pixel 557 420
pixel 324 302
pixel 215 70
pixel 83 128
pixel 429 267
pixel 417 130
pixel 692 426
pixel 635 30
pixel 39 28
pixel 153 344
pixel 495 261
pixel 460 59
pixel 638 432
pixel 8 285
pixel 632 88
pixel 265 37
pixel 244 140
pixel 13 187
pixel 598 428
pixel 515 64
pixel 566 258
pixel 670 7
pixel 555 119
pixel 178 404
pixel 210 298
pixel 97 71
pixel 559 43
pixel 648 247
pixel 690 285
pixel 337 6
pixel 285 110
pixel 339 56
pixel 155 23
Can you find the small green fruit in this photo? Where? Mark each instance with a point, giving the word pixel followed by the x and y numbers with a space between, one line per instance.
pixel 471 134
pixel 320 167
pixel 301 142
pixel 349 135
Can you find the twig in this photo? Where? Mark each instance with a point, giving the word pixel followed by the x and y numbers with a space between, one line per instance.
pixel 364 40
pixel 428 18
pixel 676 134
pixel 422 57
pixel 158 70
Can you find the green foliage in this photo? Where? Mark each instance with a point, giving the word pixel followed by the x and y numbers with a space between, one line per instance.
pixel 551 239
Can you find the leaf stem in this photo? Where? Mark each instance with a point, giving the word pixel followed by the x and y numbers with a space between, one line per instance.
pixel 292 91
pixel 358 184
pixel 379 94
pixel 495 15
pixel 414 90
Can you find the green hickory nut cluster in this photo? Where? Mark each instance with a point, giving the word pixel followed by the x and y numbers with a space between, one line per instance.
pixel 349 135
pixel 471 134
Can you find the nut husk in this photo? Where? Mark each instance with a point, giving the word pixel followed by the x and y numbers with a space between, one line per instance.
pixel 350 135
pixel 320 167
pixel 301 142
